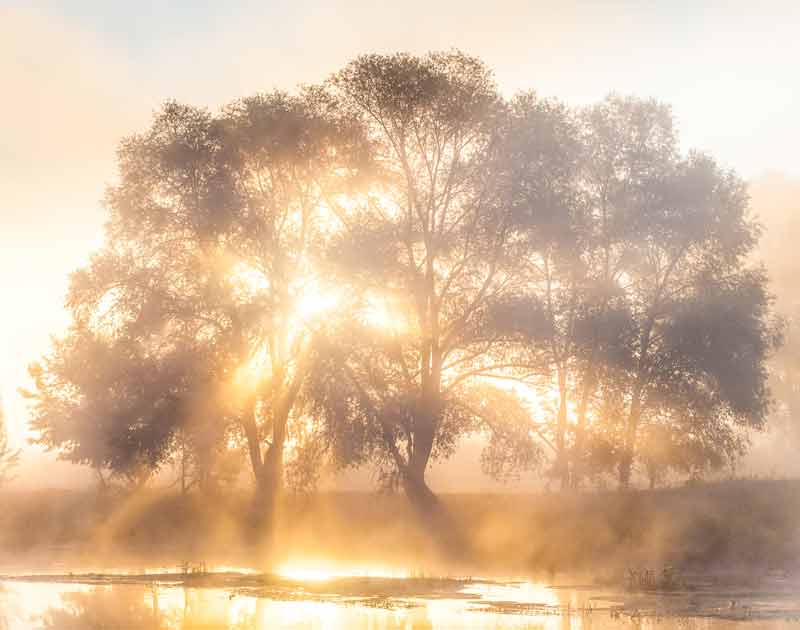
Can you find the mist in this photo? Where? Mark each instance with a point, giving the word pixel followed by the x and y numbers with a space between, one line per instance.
pixel 434 317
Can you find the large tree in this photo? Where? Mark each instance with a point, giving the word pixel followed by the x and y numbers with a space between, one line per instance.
pixel 207 286
pixel 432 253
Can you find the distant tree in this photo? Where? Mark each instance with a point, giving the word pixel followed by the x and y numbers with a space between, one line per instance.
pixel 627 141
pixel 580 182
pixel 653 315
pixel 704 328
pixel 666 449
pixel 543 154
pixel 116 405
pixel 776 199
pixel 9 457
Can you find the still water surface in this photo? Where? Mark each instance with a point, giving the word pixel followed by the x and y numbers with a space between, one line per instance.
pixel 99 603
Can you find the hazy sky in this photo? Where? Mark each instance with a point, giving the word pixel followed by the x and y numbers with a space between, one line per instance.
pixel 78 75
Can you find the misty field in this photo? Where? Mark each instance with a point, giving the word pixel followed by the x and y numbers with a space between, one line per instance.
pixel 745 528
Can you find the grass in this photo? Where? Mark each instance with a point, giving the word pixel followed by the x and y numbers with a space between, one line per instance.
pixel 747 526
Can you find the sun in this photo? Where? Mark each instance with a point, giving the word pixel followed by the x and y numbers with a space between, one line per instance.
pixel 315 301
pixel 309 306
pixel 382 313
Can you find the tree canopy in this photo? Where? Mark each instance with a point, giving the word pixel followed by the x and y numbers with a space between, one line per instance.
pixel 367 271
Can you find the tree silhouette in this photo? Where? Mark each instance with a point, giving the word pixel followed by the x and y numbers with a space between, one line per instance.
pixel 369 270
pixel 207 269
pixel 434 247
pixel 9 457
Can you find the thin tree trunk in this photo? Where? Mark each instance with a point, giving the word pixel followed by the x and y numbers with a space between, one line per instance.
pixel 629 445
pixel 562 464
pixel 579 447
pixel 631 429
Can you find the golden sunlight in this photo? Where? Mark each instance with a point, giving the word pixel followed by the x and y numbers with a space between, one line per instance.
pixel 323 571
pixel 316 301
pixel 250 374
pixel 381 313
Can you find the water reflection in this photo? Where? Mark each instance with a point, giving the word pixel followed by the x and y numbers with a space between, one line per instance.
pixel 47 606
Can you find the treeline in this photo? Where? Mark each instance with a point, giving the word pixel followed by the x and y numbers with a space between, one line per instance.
pixel 364 272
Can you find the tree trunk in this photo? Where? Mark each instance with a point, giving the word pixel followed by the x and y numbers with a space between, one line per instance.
pixel 268 475
pixel 432 512
pixel 434 515
pixel 580 426
pixel 413 476
pixel 626 463
pixel 269 486
pixel 419 494
pixel 629 445
pixel 562 463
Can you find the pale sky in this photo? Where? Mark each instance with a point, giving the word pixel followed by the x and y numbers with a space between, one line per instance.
pixel 78 75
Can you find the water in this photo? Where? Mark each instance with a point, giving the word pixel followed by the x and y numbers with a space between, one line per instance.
pixel 160 601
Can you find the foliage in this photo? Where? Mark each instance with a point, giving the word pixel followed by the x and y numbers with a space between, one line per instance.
pixel 370 270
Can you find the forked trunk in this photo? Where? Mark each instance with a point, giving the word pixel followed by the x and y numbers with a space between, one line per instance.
pixel 268 474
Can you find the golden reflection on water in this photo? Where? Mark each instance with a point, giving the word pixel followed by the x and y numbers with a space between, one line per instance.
pixel 50 606
pixel 320 571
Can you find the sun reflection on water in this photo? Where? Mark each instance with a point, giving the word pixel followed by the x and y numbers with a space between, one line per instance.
pixel 317 572
pixel 166 606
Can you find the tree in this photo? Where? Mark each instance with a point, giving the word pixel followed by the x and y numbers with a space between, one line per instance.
pixel 117 405
pixel 704 328
pixel 642 248
pixel 9 457
pixel 581 208
pixel 651 248
pixel 543 153
pixel 432 256
pixel 775 199
pixel 626 141
pixel 288 158
pixel 207 274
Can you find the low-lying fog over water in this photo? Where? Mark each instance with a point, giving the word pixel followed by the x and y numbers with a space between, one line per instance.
pixel 242 600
